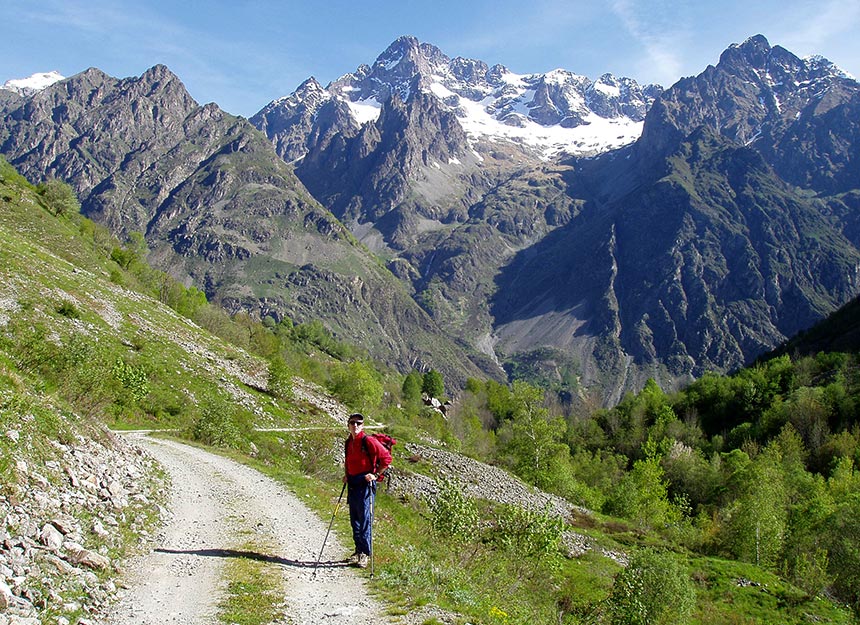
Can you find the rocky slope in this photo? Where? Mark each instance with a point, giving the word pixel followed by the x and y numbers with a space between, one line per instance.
pixel 697 250
pixel 218 208
pixel 66 518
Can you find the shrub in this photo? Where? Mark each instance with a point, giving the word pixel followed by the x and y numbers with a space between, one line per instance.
pixel 132 378
pixel 654 589
pixel 58 197
pixel 219 424
pixel 642 496
pixel 455 516
pixel 320 453
pixel 528 532
pixel 280 378
pixel 68 309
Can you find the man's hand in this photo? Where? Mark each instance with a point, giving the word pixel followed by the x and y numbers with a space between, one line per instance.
pixel 370 477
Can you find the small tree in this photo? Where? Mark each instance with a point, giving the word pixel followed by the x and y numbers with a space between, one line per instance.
pixel 280 378
pixel 756 523
pixel 357 384
pixel 220 423
pixel 433 384
pixel 411 389
pixel 643 496
pixel 455 515
pixel 529 532
pixel 59 197
pixel 843 543
pixel 533 441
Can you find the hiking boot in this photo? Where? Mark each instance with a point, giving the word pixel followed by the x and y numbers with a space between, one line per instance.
pixel 363 560
pixel 353 559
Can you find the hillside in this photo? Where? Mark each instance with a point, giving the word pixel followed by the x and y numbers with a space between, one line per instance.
pixel 458 539
pixel 75 499
pixel 839 332
pixel 218 209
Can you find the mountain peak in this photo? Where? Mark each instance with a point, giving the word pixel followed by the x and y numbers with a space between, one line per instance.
pixel 756 42
pixel 754 51
pixel 158 72
pixel 541 114
pixel 404 42
pixel 820 64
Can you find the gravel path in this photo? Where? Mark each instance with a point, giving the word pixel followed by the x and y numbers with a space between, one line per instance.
pixel 216 506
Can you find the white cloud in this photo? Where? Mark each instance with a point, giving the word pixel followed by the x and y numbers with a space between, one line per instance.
pixel 819 24
pixel 660 30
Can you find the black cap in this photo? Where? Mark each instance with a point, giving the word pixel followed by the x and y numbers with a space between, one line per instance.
pixel 356 417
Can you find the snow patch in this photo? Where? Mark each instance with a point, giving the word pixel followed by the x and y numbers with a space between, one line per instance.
pixel 391 64
pixel 596 134
pixel 34 83
pixel 611 90
pixel 365 110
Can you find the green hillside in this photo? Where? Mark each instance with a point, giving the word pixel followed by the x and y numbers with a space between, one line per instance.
pixel 730 502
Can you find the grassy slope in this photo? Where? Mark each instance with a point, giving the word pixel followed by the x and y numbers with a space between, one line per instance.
pixel 45 262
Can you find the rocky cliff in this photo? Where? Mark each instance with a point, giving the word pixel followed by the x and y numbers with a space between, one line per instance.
pixel 218 207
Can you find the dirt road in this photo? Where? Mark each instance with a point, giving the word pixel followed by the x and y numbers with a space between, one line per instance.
pixel 216 507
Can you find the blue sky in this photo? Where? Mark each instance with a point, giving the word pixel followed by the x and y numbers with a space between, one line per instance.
pixel 244 53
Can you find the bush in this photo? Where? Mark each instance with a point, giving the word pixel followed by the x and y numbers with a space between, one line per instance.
pixel 220 423
pixel 68 309
pixel 280 378
pixel 132 378
pixel 643 497
pixel 529 533
pixel 320 453
pixel 654 589
pixel 58 197
pixel 455 516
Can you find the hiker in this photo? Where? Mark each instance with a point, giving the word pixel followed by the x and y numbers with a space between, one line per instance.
pixel 365 459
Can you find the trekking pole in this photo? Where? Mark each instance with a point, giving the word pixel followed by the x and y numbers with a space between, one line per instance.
pixel 372 501
pixel 334 514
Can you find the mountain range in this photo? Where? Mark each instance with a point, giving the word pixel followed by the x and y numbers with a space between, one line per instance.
pixel 445 213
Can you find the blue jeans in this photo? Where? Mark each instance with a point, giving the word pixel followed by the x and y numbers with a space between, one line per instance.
pixel 359 496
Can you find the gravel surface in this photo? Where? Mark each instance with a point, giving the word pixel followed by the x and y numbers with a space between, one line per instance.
pixel 216 506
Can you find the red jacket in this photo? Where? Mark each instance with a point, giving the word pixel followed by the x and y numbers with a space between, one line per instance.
pixel 366 457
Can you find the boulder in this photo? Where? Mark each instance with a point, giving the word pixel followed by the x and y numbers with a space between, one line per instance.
pixel 84 557
pixel 51 537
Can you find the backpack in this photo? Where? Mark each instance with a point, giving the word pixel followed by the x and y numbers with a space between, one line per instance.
pixel 383 439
